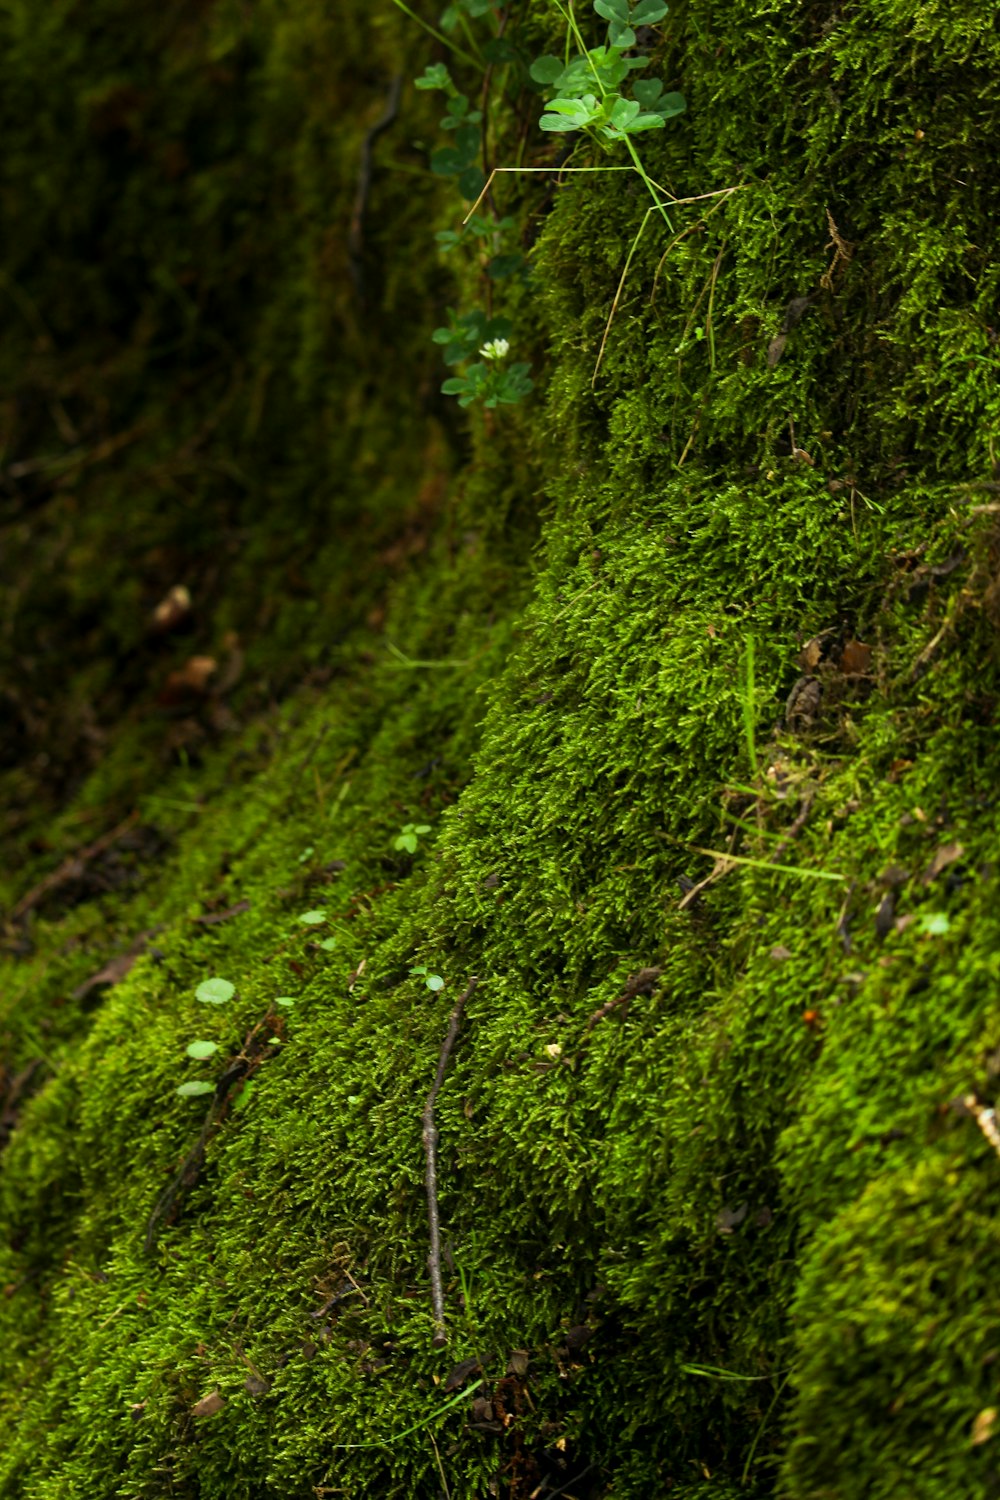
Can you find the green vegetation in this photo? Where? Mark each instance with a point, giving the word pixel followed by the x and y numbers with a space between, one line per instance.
pixel 692 668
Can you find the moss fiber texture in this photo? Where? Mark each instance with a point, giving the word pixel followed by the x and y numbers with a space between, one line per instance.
pixel 692 668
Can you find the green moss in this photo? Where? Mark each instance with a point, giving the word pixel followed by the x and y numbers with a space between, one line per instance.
pixel 750 1188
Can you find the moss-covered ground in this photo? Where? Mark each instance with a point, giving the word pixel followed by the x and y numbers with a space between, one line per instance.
pixel 692 668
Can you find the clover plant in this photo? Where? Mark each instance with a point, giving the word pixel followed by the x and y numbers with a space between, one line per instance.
pixel 589 91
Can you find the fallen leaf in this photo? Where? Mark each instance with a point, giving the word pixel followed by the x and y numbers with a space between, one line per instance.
pixel 727 1219
pixel 776 349
pixel 256 1385
pixel 945 856
pixel 209 1405
pixel 189 681
pixel 810 654
pixel 855 659
pixel 884 915
pixel 172 611
pixel 779 952
pixel 983 1426
pixel 115 970
pixel 518 1363
pixel 460 1374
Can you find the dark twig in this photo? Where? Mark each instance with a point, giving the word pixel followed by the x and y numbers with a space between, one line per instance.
pixel 642 983
pixel 356 232
pixel 253 1051
pixel 430 1151
pixel 796 827
pixel 71 868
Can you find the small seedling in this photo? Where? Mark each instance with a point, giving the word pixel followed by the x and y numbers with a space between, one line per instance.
pixel 410 835
pixel 215 991
pixel 313 918
pixel 433 981
pixel 287 1001
pixel 328 944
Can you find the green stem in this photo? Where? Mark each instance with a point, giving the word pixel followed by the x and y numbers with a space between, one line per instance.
pixel 636 159
pixel 439 36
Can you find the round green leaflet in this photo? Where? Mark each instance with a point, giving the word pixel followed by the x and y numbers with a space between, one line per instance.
pixel 195 1088
pixel 215 991
pixel 201 1050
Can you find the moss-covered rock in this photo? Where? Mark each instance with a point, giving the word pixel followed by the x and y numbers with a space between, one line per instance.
pixel 689 667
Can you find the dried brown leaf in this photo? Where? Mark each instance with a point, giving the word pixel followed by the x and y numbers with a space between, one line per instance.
pixel 209 1405
pixel 855 659
pixel 945 856
pixel 984 1426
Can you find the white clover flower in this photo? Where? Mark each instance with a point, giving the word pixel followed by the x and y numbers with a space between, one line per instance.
pixel 495 349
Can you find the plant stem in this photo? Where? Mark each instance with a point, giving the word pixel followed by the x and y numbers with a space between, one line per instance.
pixel 439 36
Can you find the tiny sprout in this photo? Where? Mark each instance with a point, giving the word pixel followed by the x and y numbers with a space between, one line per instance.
pixel 329 944
pixel 433 981
pixel 313 918
pixel 195 1088
pixel 934 924
pixel 409 836
pixel 215 991
pixel 201 1050
pixel 285 1000
pixel 306 854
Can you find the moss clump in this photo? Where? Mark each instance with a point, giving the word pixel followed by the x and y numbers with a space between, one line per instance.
pixel 735 1235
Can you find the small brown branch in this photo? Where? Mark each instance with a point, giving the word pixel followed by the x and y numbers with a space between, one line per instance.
pixel 430 1151
pixel 642 983
pixel 796 828
pixel 254 1051
pixel 356 232
pixel 70 869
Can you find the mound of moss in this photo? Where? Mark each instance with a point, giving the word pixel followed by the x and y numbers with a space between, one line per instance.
pixel 690 673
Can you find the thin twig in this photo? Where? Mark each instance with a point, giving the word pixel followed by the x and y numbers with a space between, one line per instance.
pixel 356 233
pixel 642 983
pixel 796 827
pixel 430 1150
pixel 71 868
